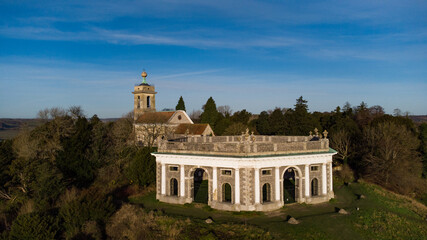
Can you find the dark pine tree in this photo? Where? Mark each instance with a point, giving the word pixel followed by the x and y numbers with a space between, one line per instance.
pixel 300 121
pixel 262 124
pixel 74 160
pixel 210 113
pixel 180 105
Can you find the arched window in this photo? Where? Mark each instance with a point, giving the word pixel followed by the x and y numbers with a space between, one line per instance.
pixel 314 187
pixel 174 187
pixel 148 102
pixel 226 192
pixel 266 193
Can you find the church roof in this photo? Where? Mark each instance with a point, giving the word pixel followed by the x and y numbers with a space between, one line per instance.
pixel 193 129
pixel 155 117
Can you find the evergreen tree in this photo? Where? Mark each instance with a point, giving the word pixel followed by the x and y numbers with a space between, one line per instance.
pixel 222 124
pixel 142 168
pixel 300 121
pixel 277 122
pixel 6 157
pixel 34 226
pixel 180 105
pixel 262 124
pixel 423 147
pixel 74 161
pixel 241 116
pixel 210 113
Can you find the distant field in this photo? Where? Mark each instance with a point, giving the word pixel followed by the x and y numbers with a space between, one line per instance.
pixel 9 127
pixel 419 118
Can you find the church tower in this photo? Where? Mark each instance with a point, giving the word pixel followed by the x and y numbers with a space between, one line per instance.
pixel 144 98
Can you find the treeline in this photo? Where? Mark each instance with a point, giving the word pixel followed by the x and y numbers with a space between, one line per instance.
pixel 64 178
pixel 385 149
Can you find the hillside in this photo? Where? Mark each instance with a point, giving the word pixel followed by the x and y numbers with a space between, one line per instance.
pixel 374 213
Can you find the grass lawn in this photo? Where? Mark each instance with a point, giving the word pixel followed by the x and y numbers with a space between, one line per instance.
pixel 381 215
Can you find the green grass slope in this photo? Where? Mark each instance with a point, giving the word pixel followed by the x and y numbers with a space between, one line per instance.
pixel 378 214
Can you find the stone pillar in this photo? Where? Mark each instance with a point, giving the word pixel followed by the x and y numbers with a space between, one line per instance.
pixel 324 186
pixel 163 182
pixel 236 186
pixel 182 181
pixel 307 180
pixel 331 181
pixel 256 188
pixel 215 183
pixel 277 183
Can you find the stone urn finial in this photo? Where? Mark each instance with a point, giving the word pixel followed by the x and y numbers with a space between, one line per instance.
pixel 325 134
pixel 316 132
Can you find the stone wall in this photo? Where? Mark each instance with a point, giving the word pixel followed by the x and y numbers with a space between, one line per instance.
pixel 239 146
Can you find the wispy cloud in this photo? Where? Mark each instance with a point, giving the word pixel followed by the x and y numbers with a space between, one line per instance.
pixel 232 40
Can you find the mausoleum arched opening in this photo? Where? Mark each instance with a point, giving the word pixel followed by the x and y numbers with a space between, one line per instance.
pixel 266 193
pixel 226 193
pixel 314 187
pixel 291 185
pixel 173 187
pixel 200 185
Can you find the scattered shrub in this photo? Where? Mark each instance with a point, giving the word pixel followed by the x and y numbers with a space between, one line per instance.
pixel 91 206
pixel 34 226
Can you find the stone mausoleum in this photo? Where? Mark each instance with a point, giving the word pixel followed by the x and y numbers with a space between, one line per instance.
pixel 245 173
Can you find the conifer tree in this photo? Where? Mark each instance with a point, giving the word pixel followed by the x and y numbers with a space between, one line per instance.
pixel 180 105
pixel 210 113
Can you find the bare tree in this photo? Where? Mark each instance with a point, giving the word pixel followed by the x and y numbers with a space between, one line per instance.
pixel 392 158
pixel 76 112
pixel 225 110
pixel 397 112
pixel 376 111
pixel 195 114
pixel 340 141
pixel 57 112
pixel 51 113
pixel 152 127
pixel 123 132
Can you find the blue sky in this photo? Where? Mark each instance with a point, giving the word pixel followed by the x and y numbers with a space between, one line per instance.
pixel 254 55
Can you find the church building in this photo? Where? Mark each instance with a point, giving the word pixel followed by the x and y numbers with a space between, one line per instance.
pixel 235 173
pixel 150 124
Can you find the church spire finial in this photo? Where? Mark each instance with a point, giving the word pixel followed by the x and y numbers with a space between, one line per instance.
pixel 144 75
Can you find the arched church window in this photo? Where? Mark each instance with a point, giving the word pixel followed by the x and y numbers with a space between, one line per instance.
pixel 314 187
pixel 148 102
pixel 266 193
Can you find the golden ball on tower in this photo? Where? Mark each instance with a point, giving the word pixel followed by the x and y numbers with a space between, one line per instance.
pixel 143 74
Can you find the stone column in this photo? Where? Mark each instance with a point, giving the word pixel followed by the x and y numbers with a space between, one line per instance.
pixel 277 183
pixel 331 181
pixel 324 186
pixel 307 180
pixel 182 181
pixel 236 186
pixel 215 183
pixel 256 188
pixel 163 182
